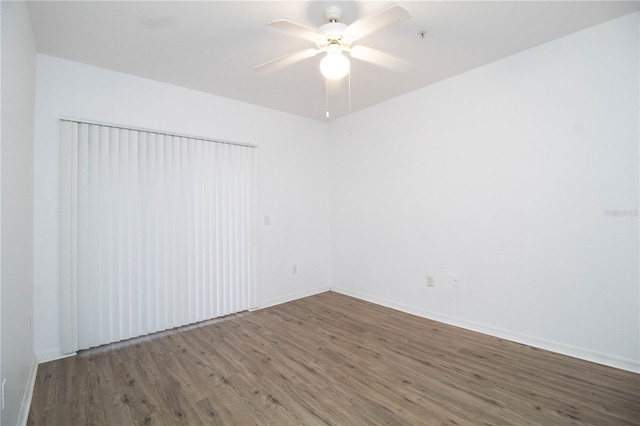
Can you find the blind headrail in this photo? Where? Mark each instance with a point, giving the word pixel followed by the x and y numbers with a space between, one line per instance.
pixel 158 132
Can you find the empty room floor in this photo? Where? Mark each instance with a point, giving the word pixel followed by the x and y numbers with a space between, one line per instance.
pixel 329 359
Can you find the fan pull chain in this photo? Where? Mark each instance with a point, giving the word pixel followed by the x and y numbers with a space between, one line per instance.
pixel 326 96
pixel 350 123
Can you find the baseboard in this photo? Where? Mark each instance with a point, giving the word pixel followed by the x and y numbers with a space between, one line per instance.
pixel 561 348
pixel 51 355
pixel 23 416
pixel 291 297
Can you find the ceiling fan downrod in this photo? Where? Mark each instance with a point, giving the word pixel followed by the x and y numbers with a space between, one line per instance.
pixel 333 14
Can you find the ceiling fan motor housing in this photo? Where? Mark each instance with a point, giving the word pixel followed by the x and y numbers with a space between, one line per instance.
pixel 333 33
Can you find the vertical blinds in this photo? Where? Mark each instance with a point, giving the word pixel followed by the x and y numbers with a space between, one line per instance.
pixel 157 231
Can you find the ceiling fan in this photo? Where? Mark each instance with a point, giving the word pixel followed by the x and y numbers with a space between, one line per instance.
pixel 335 38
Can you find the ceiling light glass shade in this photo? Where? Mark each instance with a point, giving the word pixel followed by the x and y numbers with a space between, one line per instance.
pixel 334 66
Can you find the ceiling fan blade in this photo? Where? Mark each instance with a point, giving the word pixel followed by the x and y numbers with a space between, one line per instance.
pixel 369 24
pixel 286 60
pixel 379 58
pixel 296 29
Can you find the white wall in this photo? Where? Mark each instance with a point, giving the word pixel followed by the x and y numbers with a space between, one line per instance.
pixel 293 155
pixel 503 175
pixel 18 94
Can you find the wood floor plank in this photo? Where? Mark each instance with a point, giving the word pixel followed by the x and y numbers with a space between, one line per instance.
pixel 329 360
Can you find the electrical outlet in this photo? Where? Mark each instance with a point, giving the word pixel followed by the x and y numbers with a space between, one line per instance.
pixel 431 282
pixel 267 220
pixel 295 269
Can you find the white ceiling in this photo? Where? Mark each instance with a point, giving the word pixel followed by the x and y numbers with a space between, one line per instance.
pixel 212 46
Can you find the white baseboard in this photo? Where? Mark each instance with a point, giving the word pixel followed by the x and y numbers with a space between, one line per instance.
pixel 290 297
pixel 561 348
pixel 23 416
pixel 51 355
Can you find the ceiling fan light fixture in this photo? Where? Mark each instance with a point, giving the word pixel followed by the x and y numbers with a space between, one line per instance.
pixel 334 66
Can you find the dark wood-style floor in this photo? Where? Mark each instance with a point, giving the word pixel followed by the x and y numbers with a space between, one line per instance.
pixel 329 359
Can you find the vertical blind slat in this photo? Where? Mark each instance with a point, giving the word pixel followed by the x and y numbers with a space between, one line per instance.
pixel 157 231
pixel 134 235
pixel 82 230
pixel 143 205
pixel 93 246
pixel 123 232
pixel 206 233
pixel 102 237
